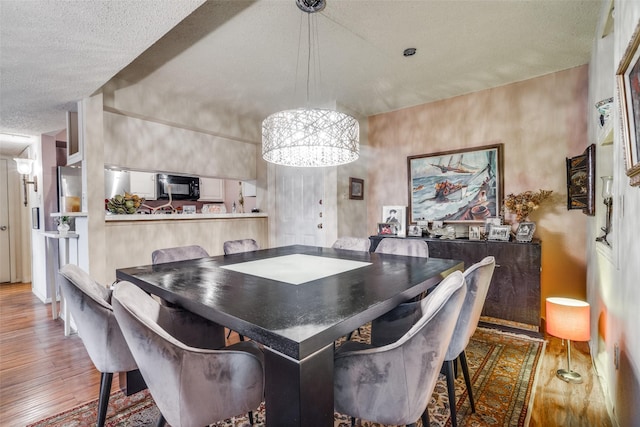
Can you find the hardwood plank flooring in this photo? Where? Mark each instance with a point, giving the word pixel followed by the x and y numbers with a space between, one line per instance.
pixel 42 372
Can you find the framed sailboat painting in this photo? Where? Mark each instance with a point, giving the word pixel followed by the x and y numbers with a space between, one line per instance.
pixel 456 186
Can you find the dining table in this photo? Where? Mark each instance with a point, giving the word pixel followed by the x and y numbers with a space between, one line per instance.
pixel 295 301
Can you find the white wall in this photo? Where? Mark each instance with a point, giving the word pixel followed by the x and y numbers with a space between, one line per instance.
pixel 612 278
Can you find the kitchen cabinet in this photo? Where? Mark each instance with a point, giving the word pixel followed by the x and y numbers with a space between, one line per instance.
pixel 143 184
pixel 211 190
pixel 74 137
pixel 513 300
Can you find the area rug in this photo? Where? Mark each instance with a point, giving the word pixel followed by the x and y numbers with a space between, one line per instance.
pixel 503 368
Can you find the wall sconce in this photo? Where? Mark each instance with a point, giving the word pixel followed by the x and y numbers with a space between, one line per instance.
pixel 607 195
pixel 24 169
pixel 568 319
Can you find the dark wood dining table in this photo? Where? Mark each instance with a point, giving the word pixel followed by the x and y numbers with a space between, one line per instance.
pixel 296 301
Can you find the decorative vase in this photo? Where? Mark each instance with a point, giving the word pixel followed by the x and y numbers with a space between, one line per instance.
pixel 63 229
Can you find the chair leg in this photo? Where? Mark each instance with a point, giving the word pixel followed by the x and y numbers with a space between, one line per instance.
pixel 467 379
pixel 103 401
pixel 451 388
pixel 425 418
pixel 250 417
pixel 161 421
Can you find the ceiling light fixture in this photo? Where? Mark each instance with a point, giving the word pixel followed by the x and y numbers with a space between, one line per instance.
pixel 310 137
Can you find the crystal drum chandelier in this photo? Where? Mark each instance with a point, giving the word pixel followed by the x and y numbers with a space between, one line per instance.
pixel 310 137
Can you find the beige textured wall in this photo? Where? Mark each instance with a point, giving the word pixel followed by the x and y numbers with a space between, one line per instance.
pixel 540 122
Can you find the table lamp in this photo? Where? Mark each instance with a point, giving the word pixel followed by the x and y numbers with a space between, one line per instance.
pixel 568 319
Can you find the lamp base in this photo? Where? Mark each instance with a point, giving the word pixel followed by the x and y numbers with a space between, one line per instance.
pixel 569 376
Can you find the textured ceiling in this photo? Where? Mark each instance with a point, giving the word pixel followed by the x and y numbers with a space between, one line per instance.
pixel 248 56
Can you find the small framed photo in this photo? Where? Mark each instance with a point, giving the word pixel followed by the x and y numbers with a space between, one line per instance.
pixel 356 188
pixel 499 232
pixel 489 222
pixel 396 215
pixel 525 231
pixel 387 229
pixel 474 232
pixel 415 231
pixel 189 209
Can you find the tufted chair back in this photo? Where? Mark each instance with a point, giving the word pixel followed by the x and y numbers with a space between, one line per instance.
pixel 238 246
pixel 352 244
pixel 180 253
pixel 406 247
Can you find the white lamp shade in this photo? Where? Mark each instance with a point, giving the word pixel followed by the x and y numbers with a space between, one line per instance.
pixel 24 166
pixel 568 318
pixel 310 138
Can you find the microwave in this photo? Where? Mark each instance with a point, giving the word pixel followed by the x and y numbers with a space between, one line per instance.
pixel 182 187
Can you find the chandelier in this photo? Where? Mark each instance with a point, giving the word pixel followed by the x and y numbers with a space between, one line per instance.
pixel 310 137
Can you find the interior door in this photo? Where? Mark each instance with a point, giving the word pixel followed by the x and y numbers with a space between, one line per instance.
pixel 299 210
pixel 5 259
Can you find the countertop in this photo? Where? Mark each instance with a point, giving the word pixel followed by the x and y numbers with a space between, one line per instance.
pixel 164 217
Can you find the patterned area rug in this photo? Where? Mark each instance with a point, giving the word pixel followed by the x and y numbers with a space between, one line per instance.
pixel 503 369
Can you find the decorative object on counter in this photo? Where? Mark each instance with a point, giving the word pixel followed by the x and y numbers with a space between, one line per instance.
pixel 581 177
pixel 456 186
pixel 387 229
pixel 522 204
pixel 233 208
pixel 24 168
pixel 607 195
pixel 525 231
pixel 189 209
pixel 415 231
pixel 162 208
pixel 64 223
pixel 125 204
pixel 628 84
pixel 490 222
pixel 396 215
pixel 241 198
pixel 214 208
pixel 356 189
pixel 310 137
pixel 499 232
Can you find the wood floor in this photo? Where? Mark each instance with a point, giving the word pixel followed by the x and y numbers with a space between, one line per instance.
pixel 42 372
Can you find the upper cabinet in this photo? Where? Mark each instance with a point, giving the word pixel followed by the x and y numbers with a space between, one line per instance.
pixel 211 190
pixel 74 137
pixel 143 184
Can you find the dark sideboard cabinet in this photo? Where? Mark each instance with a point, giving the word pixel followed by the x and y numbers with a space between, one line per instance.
pixel 513 300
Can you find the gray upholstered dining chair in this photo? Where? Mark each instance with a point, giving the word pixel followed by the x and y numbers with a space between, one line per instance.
pixel 238 246
pixel 191 386
pixel 183 253
pixel 393 384
pixel 406 247
pixel 392 325
pixel 231 247
pixel 90 305
pixel 352 243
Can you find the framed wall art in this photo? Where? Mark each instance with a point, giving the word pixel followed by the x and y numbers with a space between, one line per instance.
pixel 581 176
pixel 628 85
pixel 456 186
pixel 356 188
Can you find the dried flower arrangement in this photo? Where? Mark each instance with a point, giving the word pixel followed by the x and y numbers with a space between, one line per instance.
pixel 523 204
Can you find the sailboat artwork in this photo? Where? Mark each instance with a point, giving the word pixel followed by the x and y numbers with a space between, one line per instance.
pixel 455 186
